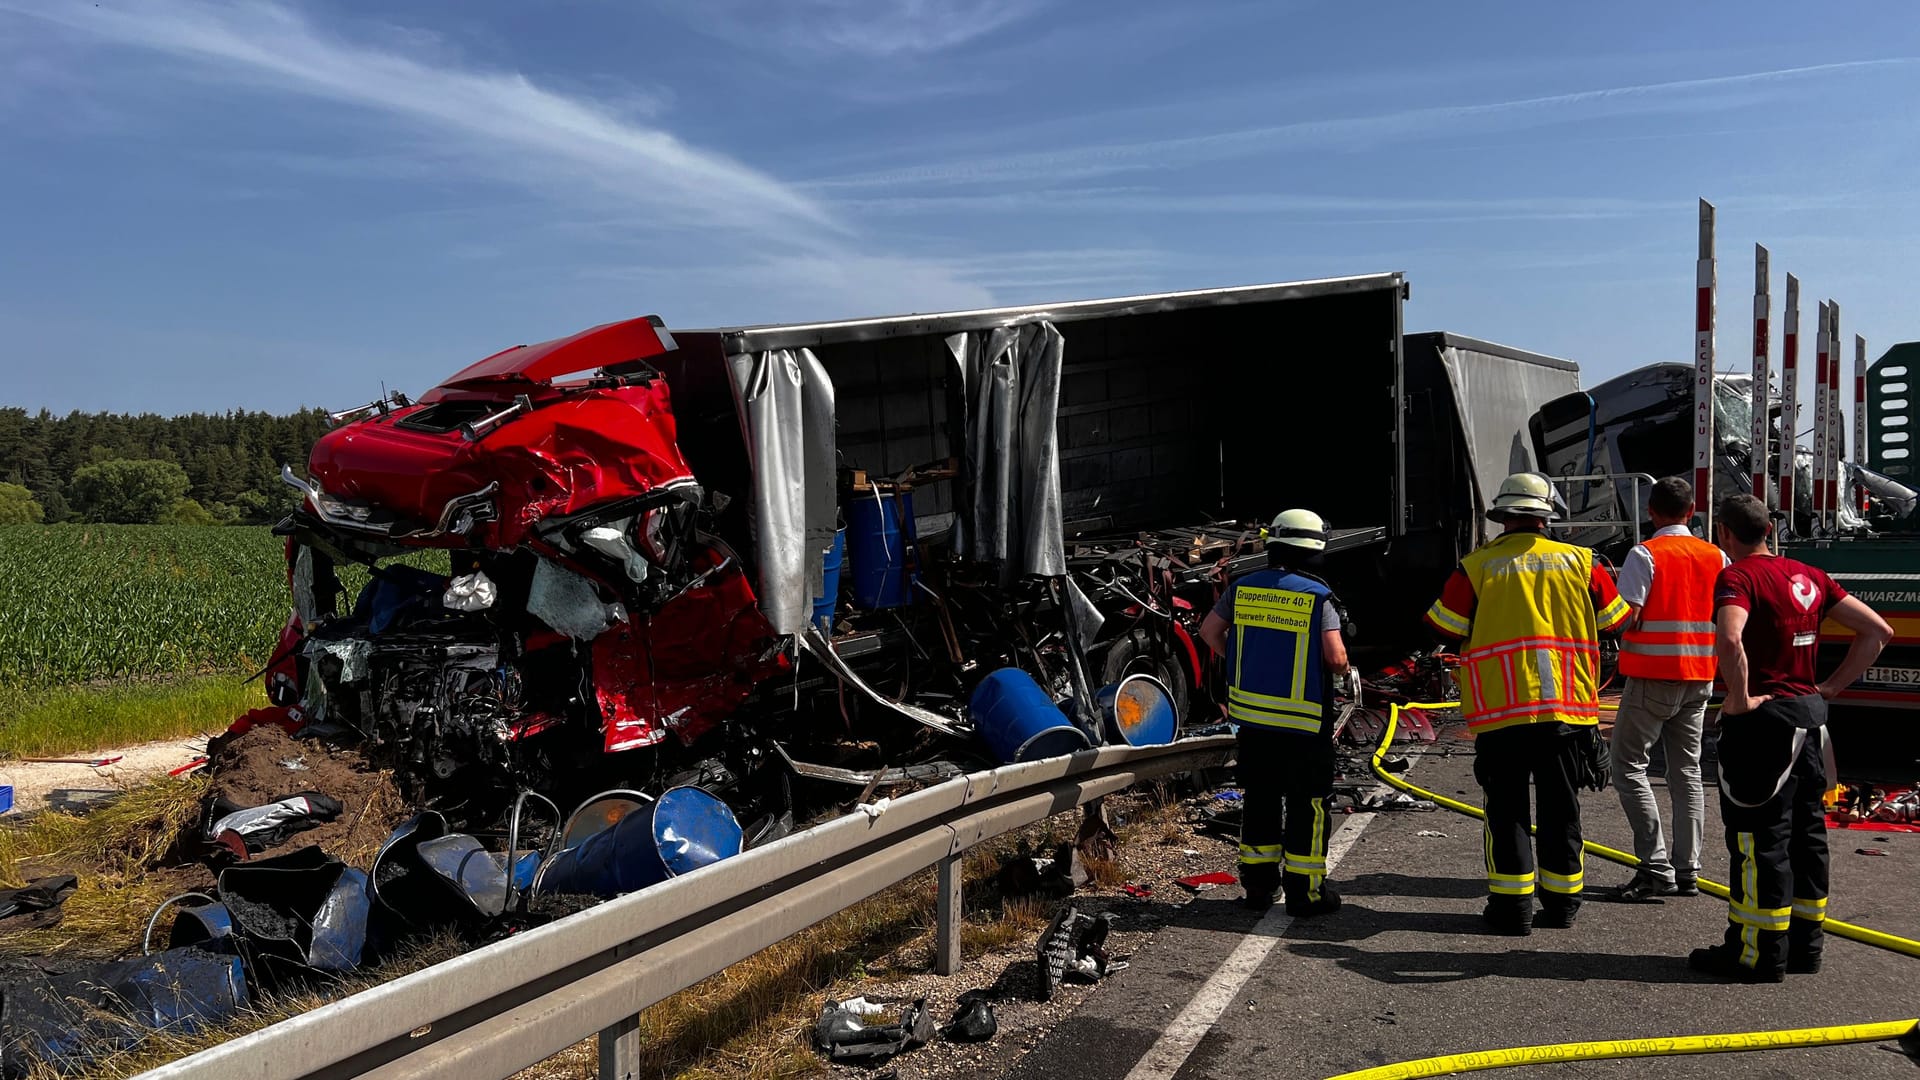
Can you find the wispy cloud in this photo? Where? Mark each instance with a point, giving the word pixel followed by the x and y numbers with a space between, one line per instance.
pixel 871 28
pixel 1106 159
pixel 511 127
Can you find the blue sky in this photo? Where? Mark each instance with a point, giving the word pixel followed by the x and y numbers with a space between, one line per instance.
pixel 211 205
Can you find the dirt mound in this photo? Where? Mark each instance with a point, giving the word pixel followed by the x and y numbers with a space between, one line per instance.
pixel 266 763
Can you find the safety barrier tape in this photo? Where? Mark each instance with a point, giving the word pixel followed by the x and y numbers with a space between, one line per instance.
pixel 1627 1048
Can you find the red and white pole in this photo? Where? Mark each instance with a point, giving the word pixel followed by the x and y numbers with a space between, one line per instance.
pixel 1703 455
pixel 1789 398
pixel 1860 417
pixel 1822 343
pixel 1762 372
pixel 1836 431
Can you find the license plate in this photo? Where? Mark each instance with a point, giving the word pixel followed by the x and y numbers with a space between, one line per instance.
pixel 1892 676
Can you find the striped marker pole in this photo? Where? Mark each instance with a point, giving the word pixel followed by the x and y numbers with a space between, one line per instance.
pixel 1762 372
pixel 1703 372
pixel 1823 340
pixel 1860 416
pixel 1836 427
pixel 1789 398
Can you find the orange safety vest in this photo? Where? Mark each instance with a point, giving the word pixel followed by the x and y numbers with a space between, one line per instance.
pixel 1674 639
pixel 1532 652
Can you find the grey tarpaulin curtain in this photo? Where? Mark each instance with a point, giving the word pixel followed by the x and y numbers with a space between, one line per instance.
pixel 1496 397
pixel 786 403
pixel 1011 377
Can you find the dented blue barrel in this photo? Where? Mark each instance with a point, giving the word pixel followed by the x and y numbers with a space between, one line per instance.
pixel 1019 721
pixel 1138 710
pixel 680 832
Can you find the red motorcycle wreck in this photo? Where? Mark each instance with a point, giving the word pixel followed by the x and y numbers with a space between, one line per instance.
pixel 636 559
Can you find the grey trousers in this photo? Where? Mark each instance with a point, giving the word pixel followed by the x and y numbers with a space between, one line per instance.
pixel 1674 714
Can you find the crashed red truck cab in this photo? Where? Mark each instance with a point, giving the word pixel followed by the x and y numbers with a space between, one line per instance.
pixel 579 595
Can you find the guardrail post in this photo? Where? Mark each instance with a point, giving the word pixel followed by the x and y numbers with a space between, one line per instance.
pixel 620 1050
pixel 946 918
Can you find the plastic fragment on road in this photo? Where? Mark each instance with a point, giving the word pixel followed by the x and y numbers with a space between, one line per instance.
pixel 1869 851
pixel 1074 944
pixel 842 1036
pixel 1432 833
pixel 1203 882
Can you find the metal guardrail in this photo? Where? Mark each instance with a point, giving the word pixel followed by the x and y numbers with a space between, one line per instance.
pixel 487 1014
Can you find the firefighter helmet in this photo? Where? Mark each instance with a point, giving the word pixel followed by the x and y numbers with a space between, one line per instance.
pixel 1302 529
pixel 1524 494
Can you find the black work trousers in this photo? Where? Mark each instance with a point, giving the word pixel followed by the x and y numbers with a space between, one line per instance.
pixel 1547 757
pixel 1772 779
pixel 1286 779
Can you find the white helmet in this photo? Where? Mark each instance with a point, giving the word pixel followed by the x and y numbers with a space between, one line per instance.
pixel 1302 529
pixel 1524 494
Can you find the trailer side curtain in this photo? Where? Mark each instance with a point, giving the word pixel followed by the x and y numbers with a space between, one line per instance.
pixel 1011 386
pixel 786 402
pixel 1495 396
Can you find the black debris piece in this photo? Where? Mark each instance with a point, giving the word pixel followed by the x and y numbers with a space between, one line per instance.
pixel 1074 944
pixel 249 830
pixel 843 1036
pixel 39 896
pixel 973 1021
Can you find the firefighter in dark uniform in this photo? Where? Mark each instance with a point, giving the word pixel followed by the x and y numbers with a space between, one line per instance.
pixel 1279 631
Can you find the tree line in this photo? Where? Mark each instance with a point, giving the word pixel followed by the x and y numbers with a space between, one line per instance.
pixel 197 469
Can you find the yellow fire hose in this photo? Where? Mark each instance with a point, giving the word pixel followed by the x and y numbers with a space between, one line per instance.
pixel 1627 1048
pixel 1476 1060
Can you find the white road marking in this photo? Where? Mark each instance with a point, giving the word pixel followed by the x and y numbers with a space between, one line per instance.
pixel 1176 1044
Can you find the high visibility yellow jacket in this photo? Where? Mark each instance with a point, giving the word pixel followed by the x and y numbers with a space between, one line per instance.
pixel 1531 610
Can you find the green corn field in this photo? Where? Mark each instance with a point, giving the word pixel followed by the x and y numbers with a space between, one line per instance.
pixel 82 603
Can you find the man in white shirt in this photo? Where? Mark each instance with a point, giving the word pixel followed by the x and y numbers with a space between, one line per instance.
pixel 1667 656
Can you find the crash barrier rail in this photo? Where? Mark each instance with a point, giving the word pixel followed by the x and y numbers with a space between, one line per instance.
pixel 502 1007
pixel 1631 522
pixel 1908 1031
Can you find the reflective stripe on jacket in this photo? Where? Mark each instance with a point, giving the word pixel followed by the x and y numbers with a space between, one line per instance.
pixel 1532 652
pixel 1276 673
pixel 1674 639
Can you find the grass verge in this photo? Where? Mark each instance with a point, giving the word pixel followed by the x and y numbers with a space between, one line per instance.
pixel 76 719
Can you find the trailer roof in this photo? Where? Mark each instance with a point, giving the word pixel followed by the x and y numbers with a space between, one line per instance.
pixel 1445 339
pixel 740 339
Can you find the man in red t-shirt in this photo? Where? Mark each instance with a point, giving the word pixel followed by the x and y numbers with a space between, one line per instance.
pixel 1773 745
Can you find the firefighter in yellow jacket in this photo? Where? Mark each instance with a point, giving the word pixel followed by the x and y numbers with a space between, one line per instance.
pixel 1530 610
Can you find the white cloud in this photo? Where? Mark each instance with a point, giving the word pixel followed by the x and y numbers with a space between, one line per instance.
pixel 873 28
pixel 1093 160
pixel 509 126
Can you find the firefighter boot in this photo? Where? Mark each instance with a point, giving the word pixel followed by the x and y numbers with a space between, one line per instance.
pixel 1303 906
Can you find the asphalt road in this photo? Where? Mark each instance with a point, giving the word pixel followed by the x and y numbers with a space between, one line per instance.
pixel 1405 971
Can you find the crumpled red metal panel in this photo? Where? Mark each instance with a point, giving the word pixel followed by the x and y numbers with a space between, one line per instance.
pixel 685 670
pixel 584 449
pixel 601 346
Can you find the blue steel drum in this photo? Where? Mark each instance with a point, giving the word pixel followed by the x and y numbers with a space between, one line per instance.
pixel 830 581
pixel 1019 721
pixel 1137 710
pixel 685 829
pixel 879 534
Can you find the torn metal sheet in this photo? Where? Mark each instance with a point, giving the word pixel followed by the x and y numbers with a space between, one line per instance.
pixel 905 774
pixel 822 648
